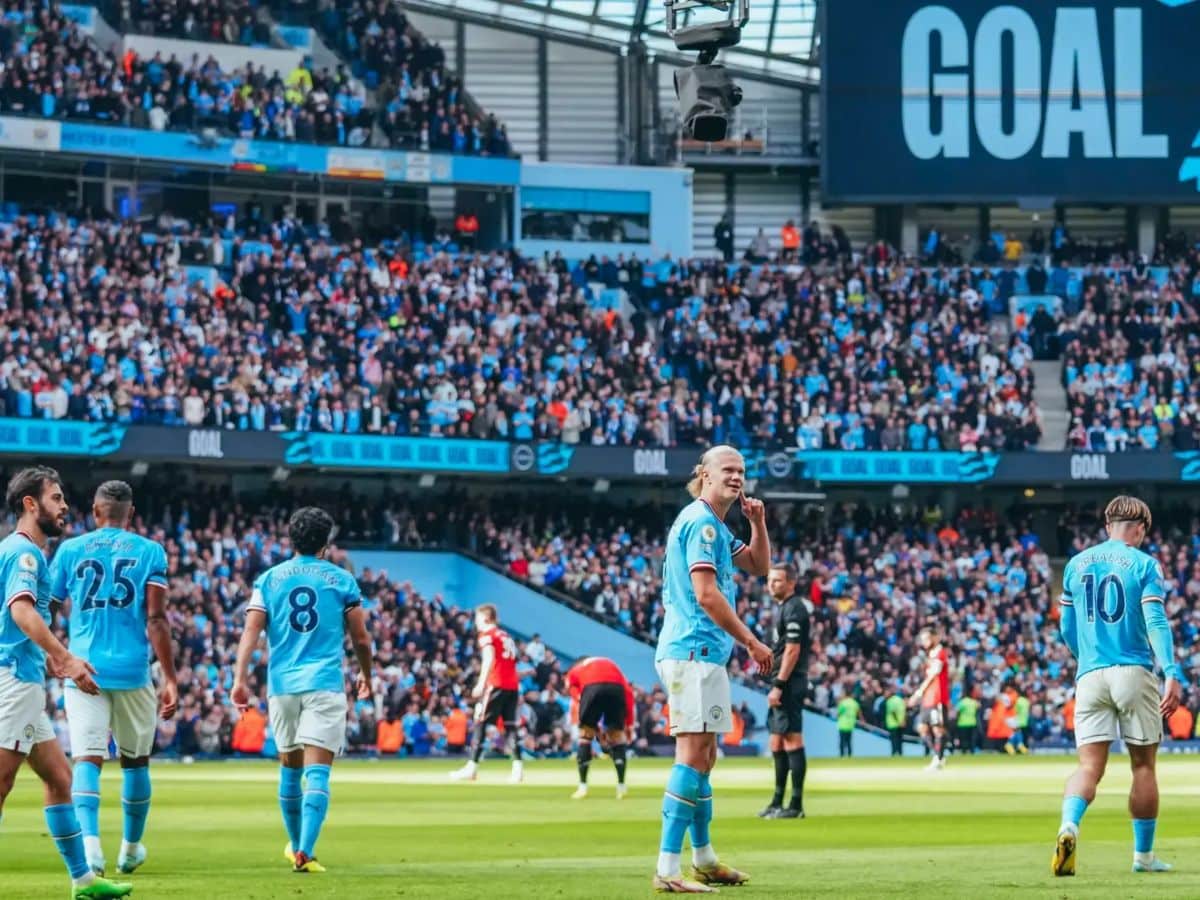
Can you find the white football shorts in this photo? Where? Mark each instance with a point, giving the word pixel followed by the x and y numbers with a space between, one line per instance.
pixel 130 715
pixel 698 696
pixel 315 718
pixel 23 718
pixel 1118 701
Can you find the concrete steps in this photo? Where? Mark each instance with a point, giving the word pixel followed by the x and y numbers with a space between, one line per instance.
pixel 1051 399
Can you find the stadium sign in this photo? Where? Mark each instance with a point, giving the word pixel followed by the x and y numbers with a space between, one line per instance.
pixel 991 101
pixel 343 451
pixel 39 437
pixel 42 439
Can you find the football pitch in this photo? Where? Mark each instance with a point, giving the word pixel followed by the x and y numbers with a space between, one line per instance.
pixel 983 828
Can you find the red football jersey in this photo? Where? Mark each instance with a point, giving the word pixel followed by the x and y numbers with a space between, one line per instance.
pixel 597 670
pixel 938 692
pixel 504 659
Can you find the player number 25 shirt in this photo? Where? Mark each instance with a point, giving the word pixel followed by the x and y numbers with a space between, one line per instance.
pixel 104 574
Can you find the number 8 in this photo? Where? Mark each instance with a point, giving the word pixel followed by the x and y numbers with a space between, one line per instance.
pixel 303 601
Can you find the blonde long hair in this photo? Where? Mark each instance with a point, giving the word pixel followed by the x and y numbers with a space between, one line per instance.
pixel 696 484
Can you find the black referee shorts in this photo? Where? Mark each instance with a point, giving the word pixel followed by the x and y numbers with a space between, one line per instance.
pixel 788 717
pixel 603 702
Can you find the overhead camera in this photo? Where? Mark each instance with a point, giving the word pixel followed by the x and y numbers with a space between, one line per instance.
pixel 707 95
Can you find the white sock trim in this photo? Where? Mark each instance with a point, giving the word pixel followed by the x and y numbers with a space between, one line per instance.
pixel 704 856
pixel 668 865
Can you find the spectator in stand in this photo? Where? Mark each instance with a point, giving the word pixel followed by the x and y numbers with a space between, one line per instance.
pixel 723 237
pixel 789 237
pixel 760 248
pixel 466 229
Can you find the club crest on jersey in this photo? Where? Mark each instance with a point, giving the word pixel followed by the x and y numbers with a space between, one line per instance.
pixel 27 563
pixel 708 534
pixel 28 732
pixel 715 713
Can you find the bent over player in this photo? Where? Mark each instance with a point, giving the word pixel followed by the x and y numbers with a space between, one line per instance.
pixel 116 583
pixel 35 497
pixel 699 628
pixel 599 693
pixel 306 605
pixel 1115 625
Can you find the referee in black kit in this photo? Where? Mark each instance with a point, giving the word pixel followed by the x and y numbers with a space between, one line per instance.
pixel 789 685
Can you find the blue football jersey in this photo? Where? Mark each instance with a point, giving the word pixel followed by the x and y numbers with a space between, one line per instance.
pixel 305 600
pixel 104 574
pixel 1107 585
pixel 23 572
pixel 698 540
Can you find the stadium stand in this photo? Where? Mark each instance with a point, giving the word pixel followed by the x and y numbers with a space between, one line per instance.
pixel 56 71
pixel 499 346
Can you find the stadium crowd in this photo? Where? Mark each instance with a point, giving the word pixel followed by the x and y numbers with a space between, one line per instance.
pixel 53 70
pixel 305 333
pixel 1129 367
pixel 214 21
pixel 422 105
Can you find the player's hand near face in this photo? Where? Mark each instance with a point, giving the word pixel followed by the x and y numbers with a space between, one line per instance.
pixel 1172 697
pixel 240 695
pixel 762 655
pixel 754 510
pixel 363 687
pixel 168 700
pixel 775 697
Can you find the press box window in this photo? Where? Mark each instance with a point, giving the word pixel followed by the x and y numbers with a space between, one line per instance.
pixel 568 214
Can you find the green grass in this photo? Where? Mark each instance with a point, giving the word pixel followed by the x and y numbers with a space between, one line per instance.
pixel 982 828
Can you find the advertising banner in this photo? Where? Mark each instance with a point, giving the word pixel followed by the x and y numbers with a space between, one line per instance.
pixel 240 154
pixel 989 101
pixel 395 453
pixel 39 438
pixel 30 134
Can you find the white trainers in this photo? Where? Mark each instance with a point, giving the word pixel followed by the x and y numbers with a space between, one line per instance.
pixel 580 792
pixel 622 791
pixel 128 862
pixel 466 773
pixel 1155 865
pixel 518 773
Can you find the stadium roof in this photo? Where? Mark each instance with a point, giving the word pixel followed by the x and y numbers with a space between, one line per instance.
pixel 780 38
